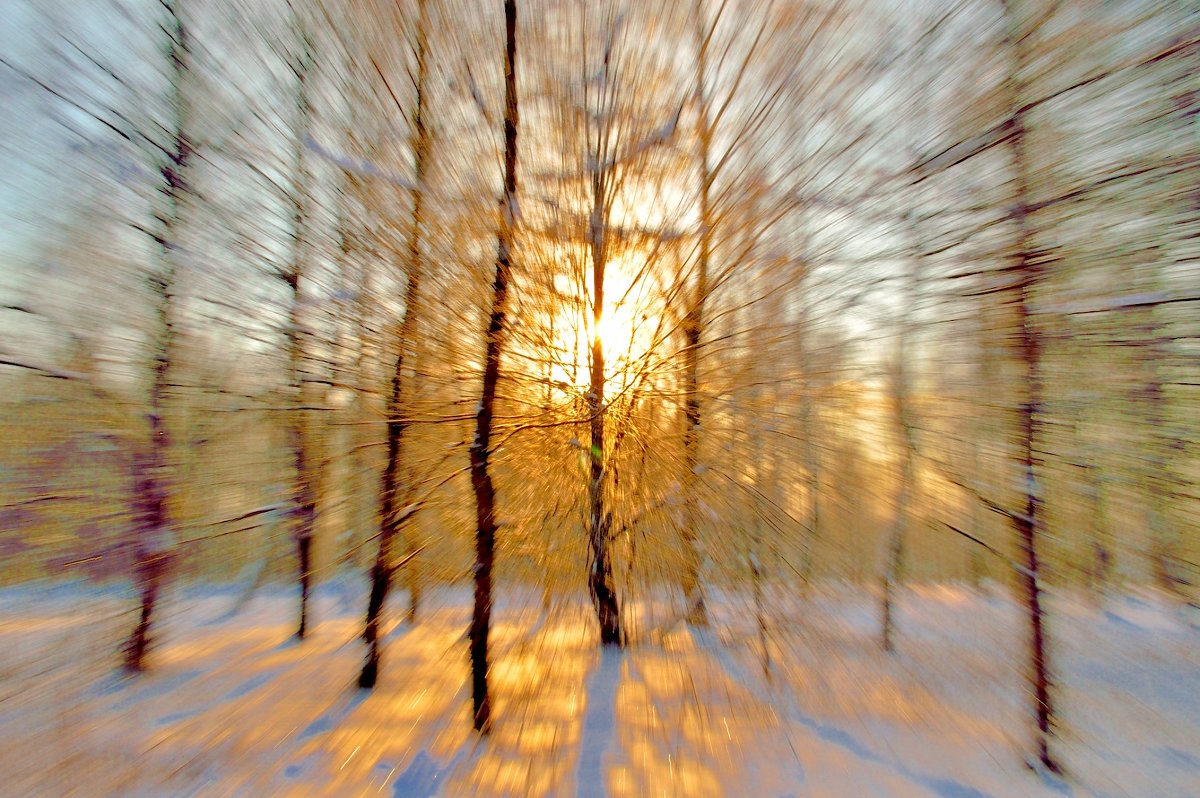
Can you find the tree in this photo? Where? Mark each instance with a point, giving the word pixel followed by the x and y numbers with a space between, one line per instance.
pixel 481 478
pixel 392 518
pixel 152 463
pixel 300 426
pixel 600 162
pixel 1027 266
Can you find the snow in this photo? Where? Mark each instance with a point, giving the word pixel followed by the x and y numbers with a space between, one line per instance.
pixel 234 706
pixel 599 724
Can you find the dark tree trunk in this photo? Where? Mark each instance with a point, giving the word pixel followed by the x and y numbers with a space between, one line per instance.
pixel 304 552
pixel 150 577
pixel 383 569
pixel 481 478
pixel 153 524
pixel 151 549
pixel 303 519
pixel 1028 266
pixel 299 430
pixel 600 574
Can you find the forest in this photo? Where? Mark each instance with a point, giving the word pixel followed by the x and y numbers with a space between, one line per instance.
pixel 600 397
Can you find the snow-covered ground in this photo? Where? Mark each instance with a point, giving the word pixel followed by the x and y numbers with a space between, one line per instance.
pixel 234 707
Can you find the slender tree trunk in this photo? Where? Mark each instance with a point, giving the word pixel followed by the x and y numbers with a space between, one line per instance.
pixel 895 558
pixel 414 575
pixel 151 550
pixel 390 523
pixel 346 369
pixel 693 330
pixel 1102 547
pixel 905 436
pixel 1159 447
pixel 1099 570
pixel 601 584
pixel 809 422
pixel 980 431
pixel 481 478
pixel 600 575
pixel 153 542
pixel 381 570
pixel 304 498
pixel 767 476
pixel 1028 267
pixel 364 511
pixel 976 563
pixel 1163 536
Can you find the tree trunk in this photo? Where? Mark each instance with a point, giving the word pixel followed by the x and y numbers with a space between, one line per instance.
pixel 304 513
pixel 1099 570
pixel 481 478
pixel 693 330
pixel 808 431
pixel 381 570
pixel 390 523
pixel 905 437
pixel 1159 447
pixel 766 473
pixel 364 490
pixel 154 534
pixel 895 558
pixel 1028 268
pixel 600 575
pixel 152 554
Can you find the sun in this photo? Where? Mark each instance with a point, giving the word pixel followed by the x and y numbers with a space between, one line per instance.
pixel 621 330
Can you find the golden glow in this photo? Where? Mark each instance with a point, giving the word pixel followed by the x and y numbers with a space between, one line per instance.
pixel 623 335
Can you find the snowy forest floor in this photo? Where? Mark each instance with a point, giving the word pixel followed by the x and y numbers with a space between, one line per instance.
pixel 234 707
